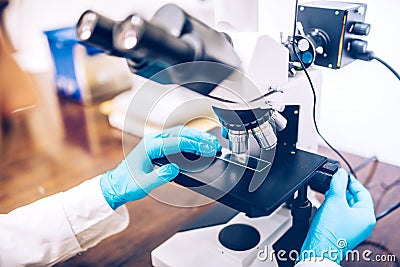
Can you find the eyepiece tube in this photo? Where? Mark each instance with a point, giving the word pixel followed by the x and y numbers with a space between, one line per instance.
pixel 96 30
pixel 140 39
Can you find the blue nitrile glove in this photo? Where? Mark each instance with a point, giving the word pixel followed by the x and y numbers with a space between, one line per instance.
pixel 135 177
pixel 343 221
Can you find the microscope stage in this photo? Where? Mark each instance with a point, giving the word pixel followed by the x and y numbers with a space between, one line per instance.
pixel 229 183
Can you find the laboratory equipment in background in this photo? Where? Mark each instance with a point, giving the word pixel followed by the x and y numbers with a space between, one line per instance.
pixel 336 29
pixel 257 178
pixel 83 73
pixel 328 34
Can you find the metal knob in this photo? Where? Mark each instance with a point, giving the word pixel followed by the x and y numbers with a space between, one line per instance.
pixel 360 28
pixel 358 46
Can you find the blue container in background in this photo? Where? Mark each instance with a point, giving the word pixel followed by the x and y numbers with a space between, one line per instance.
pixel 62 44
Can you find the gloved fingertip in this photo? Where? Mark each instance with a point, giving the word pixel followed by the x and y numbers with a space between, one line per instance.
pixel 174 168
pixel 207 149
pixel 210 138
pixel 168 172
pixel 341 172
pixel 339 183
pixel 215 141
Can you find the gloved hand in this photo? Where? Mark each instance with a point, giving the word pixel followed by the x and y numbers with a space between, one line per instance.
pixel 135 177
pixel 343 221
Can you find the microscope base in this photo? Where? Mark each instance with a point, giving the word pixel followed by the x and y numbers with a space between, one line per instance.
pixel 201 246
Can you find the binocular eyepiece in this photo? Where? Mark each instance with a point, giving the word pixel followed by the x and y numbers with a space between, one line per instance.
pixel 133 38
pixel 171 37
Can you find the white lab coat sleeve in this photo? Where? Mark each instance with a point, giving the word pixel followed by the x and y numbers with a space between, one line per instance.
pixel 316 262
pixel 58 227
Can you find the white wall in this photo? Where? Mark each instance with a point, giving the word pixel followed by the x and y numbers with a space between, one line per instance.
pixel 360 105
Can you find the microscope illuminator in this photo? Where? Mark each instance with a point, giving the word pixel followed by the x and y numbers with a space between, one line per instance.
pixel 336 29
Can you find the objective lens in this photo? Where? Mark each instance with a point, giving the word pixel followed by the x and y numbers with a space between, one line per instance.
pixel 265 135
pixel 238 141
pixel 280 121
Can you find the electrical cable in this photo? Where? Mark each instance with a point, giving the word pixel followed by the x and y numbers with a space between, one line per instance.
pixel 388 211
pixel 392 208
pixel 387 66
pixel 295 48
pixel 374 162
pixel 294 45
pixel 369 55
pixel 315 121
pixel 365 163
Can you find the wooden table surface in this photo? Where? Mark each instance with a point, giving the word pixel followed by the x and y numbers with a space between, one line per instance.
pixel 58 144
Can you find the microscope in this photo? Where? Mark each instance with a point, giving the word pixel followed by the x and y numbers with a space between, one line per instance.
pixel 263 172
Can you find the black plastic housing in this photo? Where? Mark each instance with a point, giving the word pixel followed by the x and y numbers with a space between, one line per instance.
pixel 336 20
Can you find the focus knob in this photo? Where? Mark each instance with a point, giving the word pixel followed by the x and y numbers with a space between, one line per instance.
pixel 360 28
pixel 358 46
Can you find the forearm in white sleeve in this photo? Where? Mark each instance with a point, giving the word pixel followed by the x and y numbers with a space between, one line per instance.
pixel 58 227
pixel 90 223
pixel 316 262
